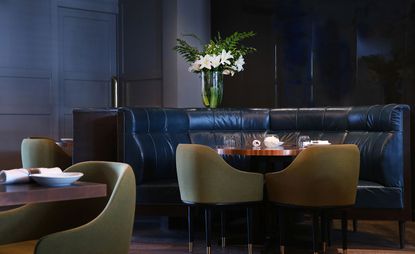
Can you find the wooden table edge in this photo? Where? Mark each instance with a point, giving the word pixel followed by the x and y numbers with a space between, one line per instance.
pixel 32 194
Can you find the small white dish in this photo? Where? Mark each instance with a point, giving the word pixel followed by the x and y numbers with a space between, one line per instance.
pixel 317 143
pixel 57 179
pixel 273 145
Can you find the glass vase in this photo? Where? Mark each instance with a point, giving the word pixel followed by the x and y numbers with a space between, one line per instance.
pixel 212 88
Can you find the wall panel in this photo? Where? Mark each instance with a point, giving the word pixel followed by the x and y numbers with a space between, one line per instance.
pixel 33 95
pixel 13 129
pixel 87 42
pixel 141 49
pixel 25 39
pixel 144 93
pixel 36 98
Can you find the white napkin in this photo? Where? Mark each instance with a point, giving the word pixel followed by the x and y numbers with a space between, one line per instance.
pixel 317 142
pixel 22 175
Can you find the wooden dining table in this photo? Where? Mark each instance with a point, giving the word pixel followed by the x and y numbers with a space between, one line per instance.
pixel 291 151
pixel 264 159
pixel 18 194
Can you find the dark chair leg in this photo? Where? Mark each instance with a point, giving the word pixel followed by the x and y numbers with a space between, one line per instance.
pixel 315 232
pixel 324 230
pixel 222 228
pixel 190 227
pixel 249 228
pixel 281 229
pixel 402 234
pixel 344 232
pixel 354 225
pixel 208 229
pixel 329 228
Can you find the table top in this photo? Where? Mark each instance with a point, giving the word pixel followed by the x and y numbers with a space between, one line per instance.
pixel 17 194
pixel 250 151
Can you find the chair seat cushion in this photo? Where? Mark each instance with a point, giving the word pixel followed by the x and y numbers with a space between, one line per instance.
pixel 159 192
pixel 375 195
pixel 26 247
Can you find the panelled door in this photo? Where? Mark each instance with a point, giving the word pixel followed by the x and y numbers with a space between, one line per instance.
pixel 87 61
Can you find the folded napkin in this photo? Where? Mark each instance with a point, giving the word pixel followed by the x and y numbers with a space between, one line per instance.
pixel 22 175
pixel 317 142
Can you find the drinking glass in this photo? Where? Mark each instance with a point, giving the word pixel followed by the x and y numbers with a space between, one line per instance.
pixel 301 140
pixel 229 142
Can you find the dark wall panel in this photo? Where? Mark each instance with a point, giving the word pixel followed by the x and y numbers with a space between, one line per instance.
pixel 141 52
pixel 255 86
pixel 340 52
pixel 334 52
pixel 381 33
pixel 293 29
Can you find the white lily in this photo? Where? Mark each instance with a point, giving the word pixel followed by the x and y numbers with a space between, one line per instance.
pixel 239 63
pixel 205 62
pixel 225 56
pixel 215 60
pixel 195 66
pixel 227 72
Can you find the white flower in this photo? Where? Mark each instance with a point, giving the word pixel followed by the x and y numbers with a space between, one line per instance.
pixel 195 66
pixel 215 60
pixel 239 63
pixel 205 62
pixel 225 56
pixel 227 72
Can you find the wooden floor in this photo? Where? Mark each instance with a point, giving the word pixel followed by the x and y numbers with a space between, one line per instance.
pixel 377 237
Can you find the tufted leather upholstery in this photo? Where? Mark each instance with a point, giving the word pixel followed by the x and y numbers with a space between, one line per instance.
pixel 148 138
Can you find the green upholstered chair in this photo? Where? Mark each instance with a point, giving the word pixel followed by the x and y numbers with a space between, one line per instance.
pixel 319 178
pixel 86 226
pixel 206 180
pixel 43 152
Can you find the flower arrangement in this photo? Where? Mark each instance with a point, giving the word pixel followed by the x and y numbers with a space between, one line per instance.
pixel 220 54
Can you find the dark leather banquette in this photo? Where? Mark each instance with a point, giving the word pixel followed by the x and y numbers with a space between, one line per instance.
pixel 148 137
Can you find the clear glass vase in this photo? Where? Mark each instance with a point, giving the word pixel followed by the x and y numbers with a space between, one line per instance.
pixel 212 88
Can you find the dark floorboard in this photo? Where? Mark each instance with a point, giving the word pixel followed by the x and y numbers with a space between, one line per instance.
pixel 378 237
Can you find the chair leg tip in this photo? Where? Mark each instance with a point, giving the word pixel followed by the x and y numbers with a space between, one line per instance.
pixel 190 247
pixel 208 250
pixel 282 249
pixel 223 241
pixel 250 248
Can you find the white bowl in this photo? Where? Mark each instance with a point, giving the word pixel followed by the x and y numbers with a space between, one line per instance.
pixel 273 144
pixel 57 179
pixel 272 141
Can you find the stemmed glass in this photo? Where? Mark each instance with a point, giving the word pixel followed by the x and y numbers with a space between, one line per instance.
pixel 303 141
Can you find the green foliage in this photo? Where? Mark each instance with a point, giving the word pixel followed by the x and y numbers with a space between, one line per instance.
pixel 231 44
pixel 188 52
pixel 215 46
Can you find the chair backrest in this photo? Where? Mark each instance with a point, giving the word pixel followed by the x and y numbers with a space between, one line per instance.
pixel 204 177
pixel 85 226
pixel 43 152
pixel 111 228
pixel 320 176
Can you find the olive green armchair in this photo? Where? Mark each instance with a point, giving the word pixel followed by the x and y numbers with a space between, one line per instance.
pixel 319 179
pixel 43 152
pixel 206 180
pixel 86 226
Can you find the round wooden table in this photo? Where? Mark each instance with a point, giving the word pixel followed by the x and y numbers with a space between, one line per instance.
pixel 291 151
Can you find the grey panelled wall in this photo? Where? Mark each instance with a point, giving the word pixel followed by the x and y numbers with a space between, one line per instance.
pixel 49 51
pixel 87 42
